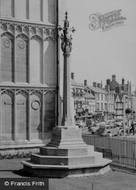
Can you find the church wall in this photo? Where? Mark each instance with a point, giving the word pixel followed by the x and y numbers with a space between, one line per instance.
pixel 43 11
pixel 27 72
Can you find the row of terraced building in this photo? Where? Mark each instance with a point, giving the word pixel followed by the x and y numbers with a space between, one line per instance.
pixel 102 103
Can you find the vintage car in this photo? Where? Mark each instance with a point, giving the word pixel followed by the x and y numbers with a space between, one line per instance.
pixel 94 128
pixel 108 130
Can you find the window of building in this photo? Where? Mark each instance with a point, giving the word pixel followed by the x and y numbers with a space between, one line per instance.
pixel 97 97
pixel 101 106
pixel 97 106
pixel 101 96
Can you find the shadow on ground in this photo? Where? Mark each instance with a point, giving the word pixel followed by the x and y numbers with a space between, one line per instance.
pixel 21 173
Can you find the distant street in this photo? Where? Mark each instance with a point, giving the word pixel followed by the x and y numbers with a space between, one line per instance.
pixel 85 131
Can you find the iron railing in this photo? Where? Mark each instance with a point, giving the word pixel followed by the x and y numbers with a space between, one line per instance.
pixel 121 150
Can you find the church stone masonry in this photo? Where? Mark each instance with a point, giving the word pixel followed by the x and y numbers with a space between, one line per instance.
pixel 28 51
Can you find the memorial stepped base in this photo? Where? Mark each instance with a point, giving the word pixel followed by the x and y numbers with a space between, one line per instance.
pixel 63 158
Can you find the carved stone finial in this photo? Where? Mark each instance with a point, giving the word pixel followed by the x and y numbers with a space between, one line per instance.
pixel 66 37
pixel 66 22
pixel 66 15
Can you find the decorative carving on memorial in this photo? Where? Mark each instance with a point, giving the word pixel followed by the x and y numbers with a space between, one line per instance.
pixel 66 37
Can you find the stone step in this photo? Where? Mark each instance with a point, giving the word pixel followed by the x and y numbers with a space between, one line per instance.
pixel 102 162
pixel 73 151
pixel 66 160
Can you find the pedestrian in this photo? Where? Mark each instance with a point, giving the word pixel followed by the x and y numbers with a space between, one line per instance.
pixel 133 128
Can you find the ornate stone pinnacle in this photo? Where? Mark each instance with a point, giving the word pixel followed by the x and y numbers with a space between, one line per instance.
pixel 66 15
pixel 66 37
pixel 66 22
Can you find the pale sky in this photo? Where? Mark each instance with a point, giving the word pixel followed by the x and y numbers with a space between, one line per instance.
pixel 98 54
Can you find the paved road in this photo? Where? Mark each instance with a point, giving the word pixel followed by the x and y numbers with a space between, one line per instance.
pixel 113 180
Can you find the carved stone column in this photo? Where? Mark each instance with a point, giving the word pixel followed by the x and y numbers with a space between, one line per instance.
pixel 66 46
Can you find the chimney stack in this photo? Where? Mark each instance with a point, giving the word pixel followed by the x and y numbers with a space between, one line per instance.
pixel 94 84
pixel 85 82
pixel 72 76
pixel 108 82
pixel 101 85
pixel 123 81
pixel 113 77
pixel 98 85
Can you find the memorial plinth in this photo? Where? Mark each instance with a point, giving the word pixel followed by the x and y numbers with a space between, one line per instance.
pixel 66 154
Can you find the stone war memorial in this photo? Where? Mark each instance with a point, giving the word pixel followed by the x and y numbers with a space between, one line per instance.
pixel 66 155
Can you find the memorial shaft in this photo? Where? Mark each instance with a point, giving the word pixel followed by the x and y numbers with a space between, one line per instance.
pixel 66 46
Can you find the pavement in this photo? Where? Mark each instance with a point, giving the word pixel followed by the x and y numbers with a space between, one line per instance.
pixel 112 180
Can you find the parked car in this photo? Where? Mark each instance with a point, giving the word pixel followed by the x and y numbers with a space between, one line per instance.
pixel 95 127
pixel 110 121
pixel 108 130
pixel 119 122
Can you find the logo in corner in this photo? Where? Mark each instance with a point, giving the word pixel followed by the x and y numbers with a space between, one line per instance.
pixel 106 21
